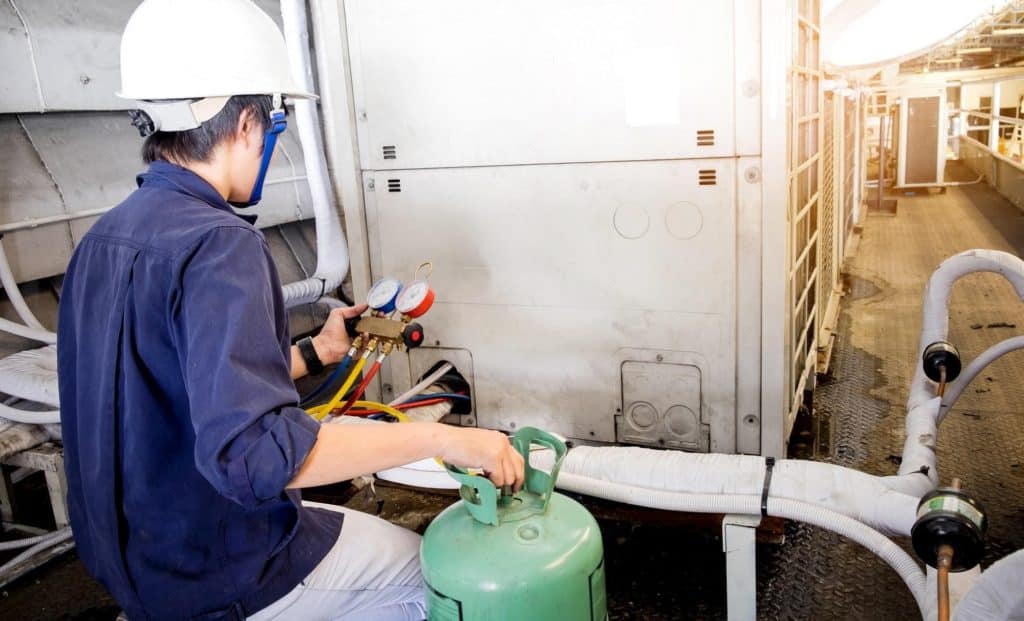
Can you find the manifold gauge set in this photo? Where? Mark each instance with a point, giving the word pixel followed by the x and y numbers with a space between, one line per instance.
pixel 394 306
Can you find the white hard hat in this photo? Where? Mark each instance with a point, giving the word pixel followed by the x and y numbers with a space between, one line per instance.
pixel 198 49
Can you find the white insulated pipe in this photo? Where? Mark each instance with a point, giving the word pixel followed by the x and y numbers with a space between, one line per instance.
pixel 935 323
pixel 332 261
pixel 858 495
pixel 896 557
pixel 997 595
pixel 924 409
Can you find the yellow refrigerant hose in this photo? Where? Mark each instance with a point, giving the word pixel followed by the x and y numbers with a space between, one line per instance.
pixel 321 411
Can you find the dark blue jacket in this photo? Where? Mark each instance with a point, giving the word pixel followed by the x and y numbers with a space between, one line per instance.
pixel 179 415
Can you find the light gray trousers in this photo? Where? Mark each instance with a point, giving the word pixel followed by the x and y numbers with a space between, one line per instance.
pixel 372 574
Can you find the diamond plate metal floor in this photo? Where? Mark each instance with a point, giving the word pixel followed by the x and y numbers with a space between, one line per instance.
pixel 819 576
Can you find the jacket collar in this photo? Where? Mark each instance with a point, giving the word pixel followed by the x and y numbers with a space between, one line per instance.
pixel 185 181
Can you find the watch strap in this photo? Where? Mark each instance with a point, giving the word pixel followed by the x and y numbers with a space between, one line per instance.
pixel 313 363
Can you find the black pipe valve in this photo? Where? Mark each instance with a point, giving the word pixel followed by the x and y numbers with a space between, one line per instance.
pixel 947 516
pixel 941 354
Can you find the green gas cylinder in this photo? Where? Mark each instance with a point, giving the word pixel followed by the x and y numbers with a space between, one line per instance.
pixel 535 555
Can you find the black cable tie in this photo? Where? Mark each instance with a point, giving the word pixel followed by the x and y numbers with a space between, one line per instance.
pixel 769 466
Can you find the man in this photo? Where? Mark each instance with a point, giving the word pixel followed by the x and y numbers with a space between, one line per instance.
pixel 183 443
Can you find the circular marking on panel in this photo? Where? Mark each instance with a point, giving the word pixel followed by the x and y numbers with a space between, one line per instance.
pixel 643 416
pixel 684 220
pixel 631 222
pixel 529 532
pixel 681 421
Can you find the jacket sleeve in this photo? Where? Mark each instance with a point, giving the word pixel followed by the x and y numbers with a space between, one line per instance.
pixel 250 437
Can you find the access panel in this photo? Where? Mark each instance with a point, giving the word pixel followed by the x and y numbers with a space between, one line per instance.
pixel 549 278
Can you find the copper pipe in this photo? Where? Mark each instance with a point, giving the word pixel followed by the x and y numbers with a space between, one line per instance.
pixel 941 390
pixel 945 561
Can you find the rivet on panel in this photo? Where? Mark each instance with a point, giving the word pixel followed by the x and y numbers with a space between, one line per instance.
pixel 752 174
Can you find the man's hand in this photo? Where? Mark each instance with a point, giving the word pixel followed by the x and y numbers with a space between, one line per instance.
pixel 333 343
pixel 489 450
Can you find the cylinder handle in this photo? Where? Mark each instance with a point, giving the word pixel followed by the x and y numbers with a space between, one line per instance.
pixel 482 497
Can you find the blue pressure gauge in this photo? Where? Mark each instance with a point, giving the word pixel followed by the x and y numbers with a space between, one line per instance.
pixel 383 294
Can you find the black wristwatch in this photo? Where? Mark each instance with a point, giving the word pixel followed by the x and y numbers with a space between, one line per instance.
pixel 313 363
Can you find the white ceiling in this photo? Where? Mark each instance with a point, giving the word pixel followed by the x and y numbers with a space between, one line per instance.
pixel 862 33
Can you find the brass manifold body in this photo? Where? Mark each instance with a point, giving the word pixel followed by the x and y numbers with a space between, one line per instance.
pixel 398 333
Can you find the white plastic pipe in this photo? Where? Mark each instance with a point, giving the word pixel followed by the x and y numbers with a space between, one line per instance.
pixel 423 385
pixel 987 357
pixel 24 543
pixel 332 260
pixel 14 293
pixel 29 417
pixel 15 328
pixel 57 537
pixel 900 561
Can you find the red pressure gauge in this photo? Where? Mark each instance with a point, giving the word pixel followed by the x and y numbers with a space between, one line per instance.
pixel 416 299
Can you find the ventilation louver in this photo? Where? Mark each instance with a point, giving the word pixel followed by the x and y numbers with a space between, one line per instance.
pixel 705 137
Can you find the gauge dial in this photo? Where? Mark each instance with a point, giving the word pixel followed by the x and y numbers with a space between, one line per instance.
pixel 416 299
pixel 382 295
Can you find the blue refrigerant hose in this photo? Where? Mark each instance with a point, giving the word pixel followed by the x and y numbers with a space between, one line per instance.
pixel 342 366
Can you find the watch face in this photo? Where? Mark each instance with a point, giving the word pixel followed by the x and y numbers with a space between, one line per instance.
pixel 383 293
pixel 412 297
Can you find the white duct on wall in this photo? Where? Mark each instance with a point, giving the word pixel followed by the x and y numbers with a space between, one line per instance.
pixel 331 247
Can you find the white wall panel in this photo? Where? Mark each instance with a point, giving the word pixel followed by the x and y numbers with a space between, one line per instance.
pixel 549 274
pixel 469 83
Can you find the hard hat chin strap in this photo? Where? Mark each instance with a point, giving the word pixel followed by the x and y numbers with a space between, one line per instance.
pixel 277 126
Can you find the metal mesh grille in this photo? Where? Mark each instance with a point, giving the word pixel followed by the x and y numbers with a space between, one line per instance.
pixel 849 166
pixel 830 188
pixel 804 202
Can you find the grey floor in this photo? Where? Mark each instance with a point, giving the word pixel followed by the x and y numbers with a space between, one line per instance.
pixel 659 571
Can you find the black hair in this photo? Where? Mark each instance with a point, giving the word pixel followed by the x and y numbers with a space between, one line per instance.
pixel 196 145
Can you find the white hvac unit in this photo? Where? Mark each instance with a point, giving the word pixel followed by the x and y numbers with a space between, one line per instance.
pixel 587 179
